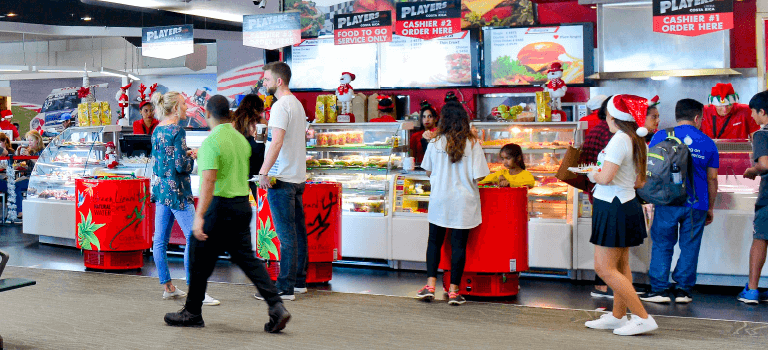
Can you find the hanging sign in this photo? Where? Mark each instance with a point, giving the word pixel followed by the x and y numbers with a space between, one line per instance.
pixel 167 42
pixel 428 19
pixel 272 31
pixel 692 17
pixel 362 28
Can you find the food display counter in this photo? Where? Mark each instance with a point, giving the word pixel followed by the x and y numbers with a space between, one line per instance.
pixel 362 157
pixel 49 210
pixel 550 203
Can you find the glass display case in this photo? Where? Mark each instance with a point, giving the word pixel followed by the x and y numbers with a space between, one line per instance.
pixel 360 156
pixel 75 153
pixel 544 145
pixel 412 193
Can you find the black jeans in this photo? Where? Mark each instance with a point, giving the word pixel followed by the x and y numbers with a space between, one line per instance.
pixel 458 251
pixel 228 226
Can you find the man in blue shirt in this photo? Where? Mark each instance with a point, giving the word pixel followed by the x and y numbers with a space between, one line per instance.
pixel 684 224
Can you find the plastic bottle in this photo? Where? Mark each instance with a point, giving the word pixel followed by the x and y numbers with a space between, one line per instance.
pixel 677 178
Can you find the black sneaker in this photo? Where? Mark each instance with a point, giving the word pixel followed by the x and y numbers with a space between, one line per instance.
pixel 656 297
pixel 455 299
pixel 426 294
pixel 596 293
pixel 184 318
pixel 282 295
pixel 682 296
pixel 278 318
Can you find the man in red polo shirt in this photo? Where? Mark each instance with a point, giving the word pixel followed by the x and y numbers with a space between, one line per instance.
pixel 725 118
pixel 592 119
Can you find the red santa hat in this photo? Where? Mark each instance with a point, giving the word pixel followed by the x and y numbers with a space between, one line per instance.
pixel 629 108
pixel 351 76
pixel 555 67
pixel 6 114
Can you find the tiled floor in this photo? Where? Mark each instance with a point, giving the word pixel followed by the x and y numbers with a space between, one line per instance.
pixel 709 302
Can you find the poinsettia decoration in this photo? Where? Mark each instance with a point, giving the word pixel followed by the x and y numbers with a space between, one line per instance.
pixel 83 92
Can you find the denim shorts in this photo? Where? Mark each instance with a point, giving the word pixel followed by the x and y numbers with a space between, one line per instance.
pixel 761 223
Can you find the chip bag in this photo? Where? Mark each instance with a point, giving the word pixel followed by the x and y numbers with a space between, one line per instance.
pixel 106 113
pixel 82 115
pixel 543 111
pixel 95 109
pixel 320 111
pixel 331 109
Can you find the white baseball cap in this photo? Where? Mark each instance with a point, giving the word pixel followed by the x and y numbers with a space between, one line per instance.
pixel 595 102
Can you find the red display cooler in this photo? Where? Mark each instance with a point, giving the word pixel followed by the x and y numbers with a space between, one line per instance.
pixel 497 250
pixel 322 212
pixel 114 222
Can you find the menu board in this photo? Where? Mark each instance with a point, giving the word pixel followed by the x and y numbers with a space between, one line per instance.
pixel 318 64
pixel 522 56
pixel 447 61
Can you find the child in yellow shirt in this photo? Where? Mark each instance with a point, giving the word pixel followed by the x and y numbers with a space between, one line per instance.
pixel 515 174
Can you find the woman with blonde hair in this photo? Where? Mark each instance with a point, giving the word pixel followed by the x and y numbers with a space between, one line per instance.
pixel 454 162
pixel 171 186
pixel 34 146
pixel 618 222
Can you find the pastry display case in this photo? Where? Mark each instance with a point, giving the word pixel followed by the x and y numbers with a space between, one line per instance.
pixel 77 152
pixel 362 157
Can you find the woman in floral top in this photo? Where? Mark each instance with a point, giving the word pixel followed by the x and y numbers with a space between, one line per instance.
pixel 171 187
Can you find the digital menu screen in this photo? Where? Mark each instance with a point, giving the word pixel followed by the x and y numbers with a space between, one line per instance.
pixel 522 56
pixel 318 63
pixel 442 62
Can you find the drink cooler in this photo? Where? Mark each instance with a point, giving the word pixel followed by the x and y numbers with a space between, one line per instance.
pixel 497 250
pixel 123 209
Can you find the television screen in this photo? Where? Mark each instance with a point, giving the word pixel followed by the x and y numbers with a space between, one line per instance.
pixel 442 62
pixel 521 55
pixel 317 64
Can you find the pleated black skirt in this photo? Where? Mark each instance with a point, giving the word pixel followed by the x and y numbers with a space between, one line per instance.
pixel 618 225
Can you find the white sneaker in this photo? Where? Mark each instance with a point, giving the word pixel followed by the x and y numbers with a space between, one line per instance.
pixel 210 301
pixel 607 321
pixel 178 293
pixel 298 290
pixel 637 326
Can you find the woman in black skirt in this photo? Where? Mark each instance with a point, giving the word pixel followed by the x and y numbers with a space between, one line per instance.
pixel 618 222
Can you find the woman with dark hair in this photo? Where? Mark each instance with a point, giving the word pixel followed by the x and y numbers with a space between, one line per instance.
pixel 618 222
pixel 420 139
pixel 514 174
pixel 454 162
pixel 247 116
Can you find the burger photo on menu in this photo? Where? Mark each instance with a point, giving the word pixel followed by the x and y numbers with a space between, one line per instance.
pixel 522 56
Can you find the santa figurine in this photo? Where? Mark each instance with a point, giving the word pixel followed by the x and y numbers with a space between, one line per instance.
pixel 122 98
pixel 110 157
pixel 344 96
pixel 555 86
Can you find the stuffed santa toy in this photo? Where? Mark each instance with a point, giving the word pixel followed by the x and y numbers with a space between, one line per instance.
pixel 555 86
pixel 344 96
pixel 122 97
pixel 110 157
pixel 629 108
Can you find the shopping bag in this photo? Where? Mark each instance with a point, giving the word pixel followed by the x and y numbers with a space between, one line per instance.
pixel 571 159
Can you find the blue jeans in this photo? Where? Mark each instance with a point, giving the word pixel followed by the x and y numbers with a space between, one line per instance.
pixel 163 227
pixel 285 201
pixel 667 222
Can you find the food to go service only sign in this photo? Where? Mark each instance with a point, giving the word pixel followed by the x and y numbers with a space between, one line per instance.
pixel 692 17
pixel 428 19
pixel 362 28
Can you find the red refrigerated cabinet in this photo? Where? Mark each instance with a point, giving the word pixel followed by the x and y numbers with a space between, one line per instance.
pixel 497 250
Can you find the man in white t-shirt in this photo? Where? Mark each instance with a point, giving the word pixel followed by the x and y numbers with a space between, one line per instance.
pixel 285 160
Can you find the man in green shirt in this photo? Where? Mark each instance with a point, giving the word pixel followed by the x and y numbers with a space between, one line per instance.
pixel 222 221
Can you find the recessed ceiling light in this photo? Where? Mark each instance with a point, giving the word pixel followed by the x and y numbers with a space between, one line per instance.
pixel 11 14
pixel 593 6
pixel 87 18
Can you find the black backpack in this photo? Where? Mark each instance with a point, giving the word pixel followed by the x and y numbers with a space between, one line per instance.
pixel 660 189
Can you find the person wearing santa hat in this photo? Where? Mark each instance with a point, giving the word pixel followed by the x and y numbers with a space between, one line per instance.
pixel 617 221
pixel 5 123
pixel 592 118
pixel 725 118
pixel 386 107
